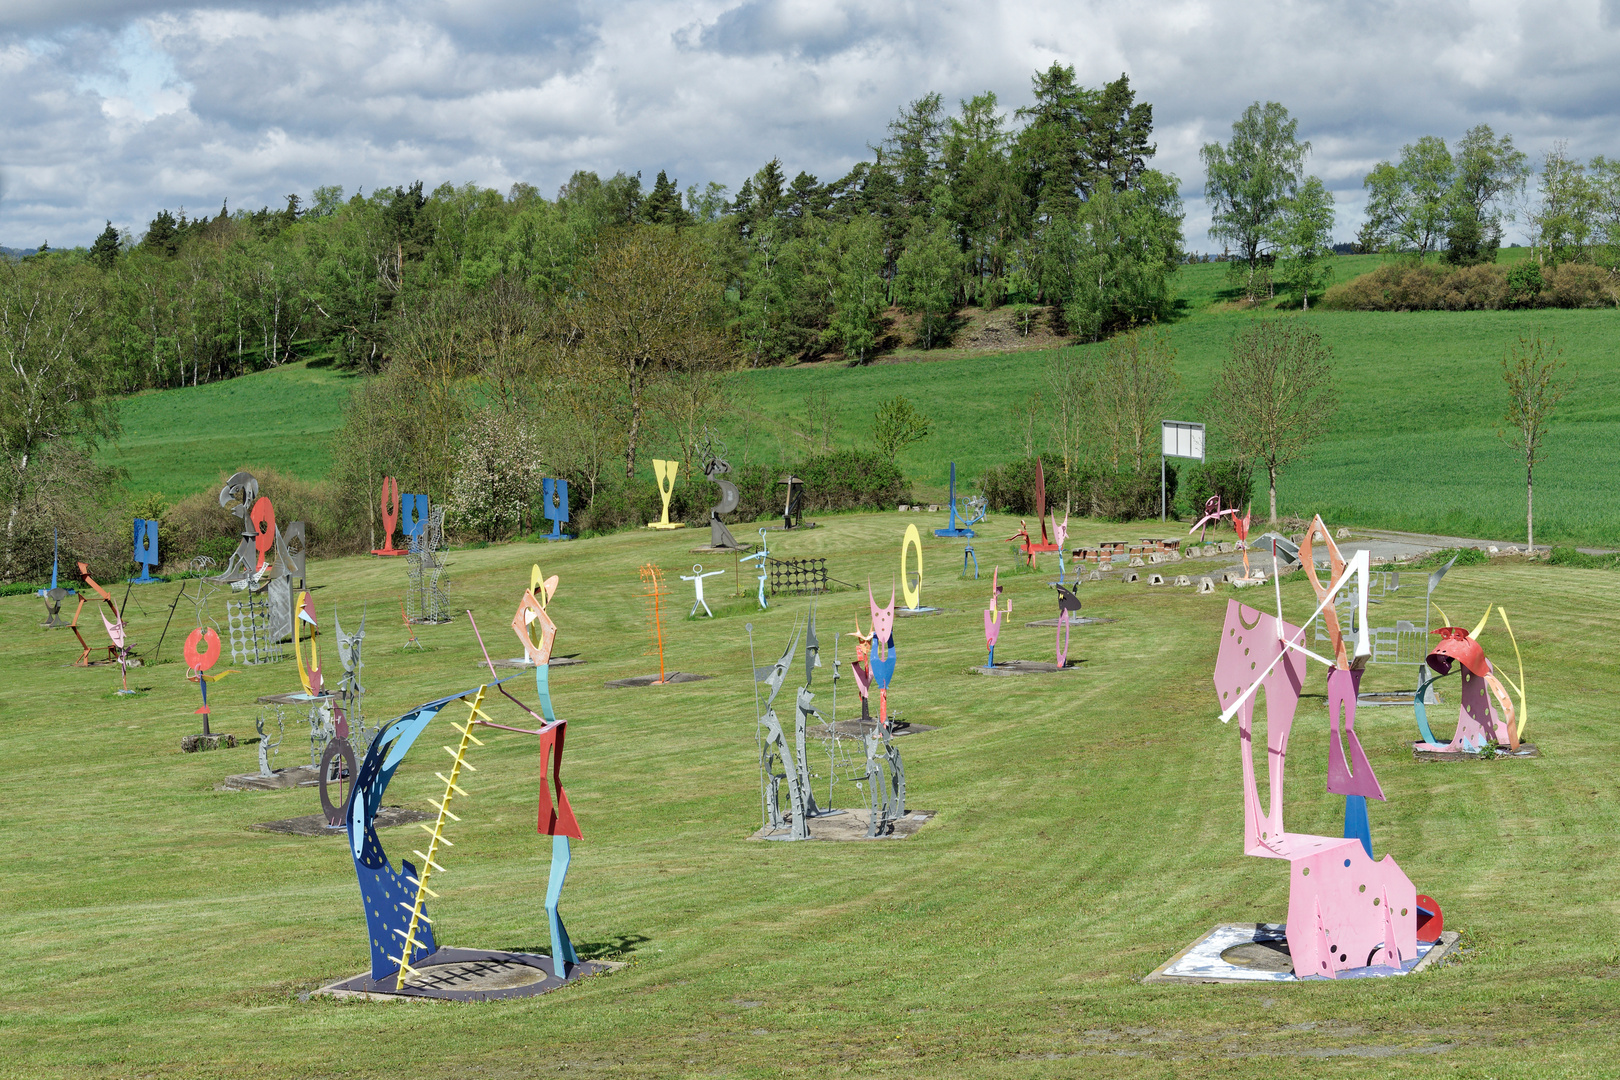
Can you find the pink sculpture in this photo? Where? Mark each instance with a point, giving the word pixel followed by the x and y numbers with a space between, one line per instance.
pixel 993 618
pixel 1212 516
pixel 861 668
pixel 1477 721
pixel 1344 909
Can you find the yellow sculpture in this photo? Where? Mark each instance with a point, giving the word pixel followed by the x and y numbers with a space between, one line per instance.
pixel 912 593
pixel 665 471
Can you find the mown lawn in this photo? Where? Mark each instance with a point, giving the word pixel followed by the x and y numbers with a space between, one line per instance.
pixel 1089 826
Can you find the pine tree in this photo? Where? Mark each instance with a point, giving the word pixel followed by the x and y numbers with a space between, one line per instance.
pixel 104 252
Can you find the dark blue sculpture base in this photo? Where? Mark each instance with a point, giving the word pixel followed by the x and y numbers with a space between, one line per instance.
pixel 471 975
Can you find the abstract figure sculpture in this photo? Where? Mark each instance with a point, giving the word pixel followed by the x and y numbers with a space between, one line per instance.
pixel 763 557
pixel 1212 516
pixel 1479 723
pixel 774 752
pixel 665 472
pixel 1068 605
pixel 146 550
pixel 720 537
pixel 993 619
pixel 425 599
pixel 1031 547
pixel 202 652
pixel 861 668
pixel 793 503
pixel 396 900
pixel 554 499
pixel 912 591
pixel 965 528
pixel 390 517
pixel 653 592
pixel 261 566
pixel 1344 910
pixel 696 578
pixel 415 510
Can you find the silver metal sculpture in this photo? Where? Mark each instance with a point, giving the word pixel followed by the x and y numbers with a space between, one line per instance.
pixel 266 747
pixel 425 600
pixel 351 691
pixel 251 625
pixel 696 578
pixel 774 752
pixel 715 468
pixel 803 710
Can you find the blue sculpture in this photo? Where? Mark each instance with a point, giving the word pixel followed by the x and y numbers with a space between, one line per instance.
pixel 146 551
pixel 977 507
pixel 555 495
pixel 414 514
pixel 968 553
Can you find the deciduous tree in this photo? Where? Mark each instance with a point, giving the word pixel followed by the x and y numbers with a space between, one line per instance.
pixel 1249 180
pixel 1531 372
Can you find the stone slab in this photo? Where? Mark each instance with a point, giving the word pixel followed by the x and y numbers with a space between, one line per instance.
pixel 910 613
pixel 851 824
pixel 1249 953
pixel 1525 750
pixel 388 817
pixel 1072 622
pixel 296 698
pixel 858 728
pixel 281 779
pixel 670 677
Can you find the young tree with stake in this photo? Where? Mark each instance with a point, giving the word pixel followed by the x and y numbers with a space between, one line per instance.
pixel 1274 395
pixel 1530 369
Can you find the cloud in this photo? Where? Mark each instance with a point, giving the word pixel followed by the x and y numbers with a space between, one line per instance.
pixel 118 110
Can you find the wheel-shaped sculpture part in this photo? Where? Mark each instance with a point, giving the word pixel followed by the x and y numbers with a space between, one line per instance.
pixel 1430 921
pixel 338 770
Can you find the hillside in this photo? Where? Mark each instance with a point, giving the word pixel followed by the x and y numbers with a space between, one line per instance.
pixel 1414 444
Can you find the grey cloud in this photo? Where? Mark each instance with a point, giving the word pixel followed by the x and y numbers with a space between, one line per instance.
pixel 268 98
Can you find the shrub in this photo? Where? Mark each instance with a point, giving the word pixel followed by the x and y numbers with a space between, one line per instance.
pixel 1524 285
pixel 1010 489
pixel 1579 285
pixel 1233 481
pixel 198 525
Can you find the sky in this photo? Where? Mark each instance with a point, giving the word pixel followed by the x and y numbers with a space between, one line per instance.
pixel 114 109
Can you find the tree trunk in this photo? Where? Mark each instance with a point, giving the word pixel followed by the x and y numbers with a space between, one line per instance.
pixel 1529 509
pixel 635 427
pixel 1271 473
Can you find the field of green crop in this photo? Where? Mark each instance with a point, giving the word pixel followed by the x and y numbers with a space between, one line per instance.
pixel 1414 444
pixel 1088 827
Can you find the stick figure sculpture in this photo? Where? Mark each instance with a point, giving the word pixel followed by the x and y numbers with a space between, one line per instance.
pixel 763 557
pixel 696 578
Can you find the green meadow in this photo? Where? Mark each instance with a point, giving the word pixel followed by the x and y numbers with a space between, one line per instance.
pixel 1088 827
pixel 1414 444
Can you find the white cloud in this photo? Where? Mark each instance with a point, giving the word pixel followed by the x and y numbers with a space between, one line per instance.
pixel 117 110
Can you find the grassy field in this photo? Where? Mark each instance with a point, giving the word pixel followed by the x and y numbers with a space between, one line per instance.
pixel 176 442
pixel 1089 826
pixel 1414 444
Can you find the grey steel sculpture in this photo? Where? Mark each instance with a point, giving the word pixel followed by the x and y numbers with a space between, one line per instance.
pixel 251 624
pixel 715 468
pixel 775 752
pixel 425 601
pixel 804 709
pixel 271 582
pixel 888 800
pixel 266 747
pixel 351 691
pixel 297 548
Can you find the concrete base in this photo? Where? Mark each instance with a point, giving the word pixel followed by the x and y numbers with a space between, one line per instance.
pixel 315 824
pixel 1072 622
pixel 280 780
pixel 669 678
pixel 1235 953
pixel 469 975
pixel 851 825
pixel 1029 667
pixel 908 613
pixel 1426 752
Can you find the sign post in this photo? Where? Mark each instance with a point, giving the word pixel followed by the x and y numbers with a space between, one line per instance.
pixel 1180 439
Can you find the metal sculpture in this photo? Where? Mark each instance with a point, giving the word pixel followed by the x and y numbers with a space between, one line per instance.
pixel 653 592
pixel 54 594
pixel 965 528
pixel 425 599
pixel 665 472
pixel 261 564
pixel 798 577
pixel 1479 722
pixel 763 557
pixel 201 651
pixel 118 651
pixel 1031 547
pixel 249 623
pixel 774 752
pixel 1060 536
pixel 793 503
pixel 554 499
pixel 297 547
pixel 803 709
pixel 396 901
pixel 968 553
pixel 696 578
pixel 912 592
pixel 716 468
pixel 146 550
pixel 416 511
pixel 861 668
pixel 390 515
pixel 1213 512
pixel 1068 605
pixel 994 619
pixel 1345 910
pixel 888 800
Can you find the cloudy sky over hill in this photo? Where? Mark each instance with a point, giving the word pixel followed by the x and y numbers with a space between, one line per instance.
pixel 116 108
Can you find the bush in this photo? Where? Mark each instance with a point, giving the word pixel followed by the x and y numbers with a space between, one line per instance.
pixel 1010 489
pixel 198 525
pixel 1568 556
pixel 1578 285
pixel 1233 481
pixel 1428 287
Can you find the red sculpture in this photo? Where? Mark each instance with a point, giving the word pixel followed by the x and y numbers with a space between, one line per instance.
pixel 390 516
